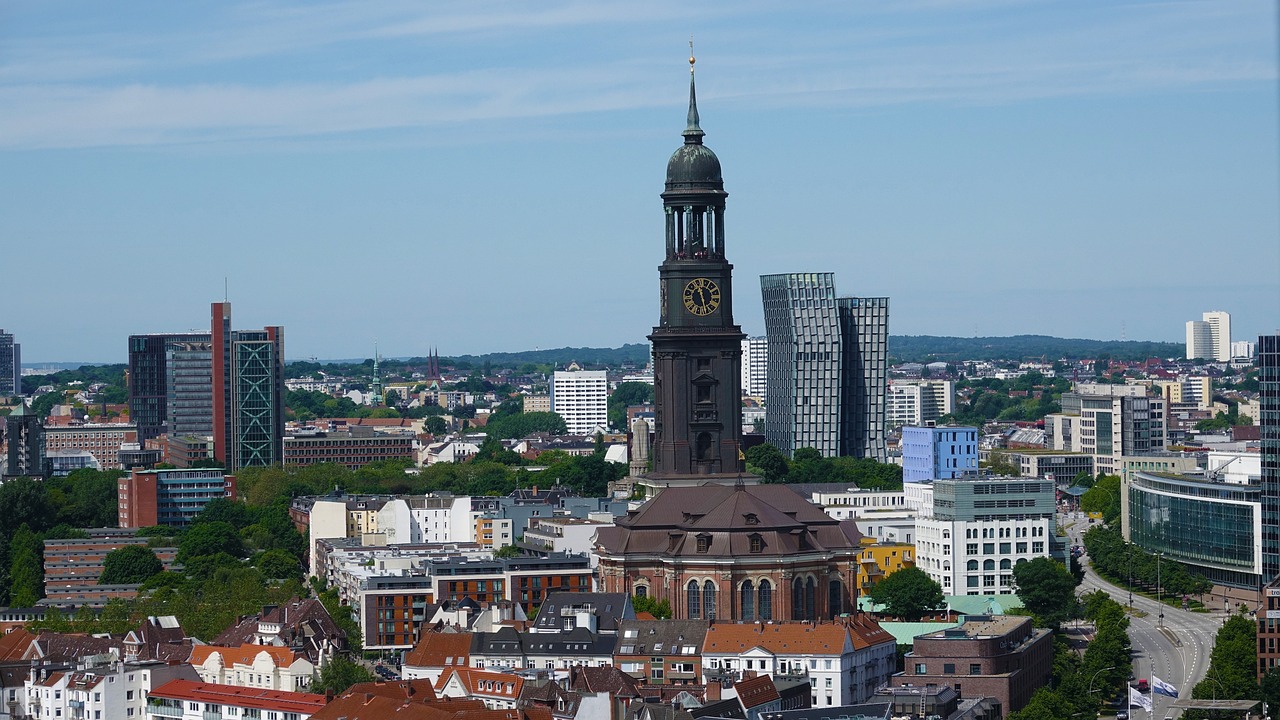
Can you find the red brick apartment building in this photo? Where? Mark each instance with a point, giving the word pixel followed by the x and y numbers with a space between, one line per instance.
pixel 170 497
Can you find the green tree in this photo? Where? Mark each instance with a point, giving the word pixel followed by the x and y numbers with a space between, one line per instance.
pixel 1047 590
pixel 227 510
pixel 128 565
pixel 908 593
pixel 492 450
pixel 204 539
pixel 1000 464
pixel 278 565
pixel 435 425
pixel 26 575
pixel 660 609
pixel 339 674
pixel 507 551
pixel 624 396
pixel 769 462
pixel 1103 497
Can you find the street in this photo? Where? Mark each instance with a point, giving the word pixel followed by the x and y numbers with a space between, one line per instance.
pixel 1178 652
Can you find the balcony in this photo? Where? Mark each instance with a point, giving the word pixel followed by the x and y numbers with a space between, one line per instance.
pixel 164 711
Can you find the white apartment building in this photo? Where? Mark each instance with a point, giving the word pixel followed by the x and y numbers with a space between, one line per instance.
pixel 565 534
pixel 975 530
pixel 881 515
pixel 428 519
pixel 99 688
pixel 1210 337
pixel 268 667
pixel 581 397
pixel 755 358
pixel 1197 391
pixel 918 402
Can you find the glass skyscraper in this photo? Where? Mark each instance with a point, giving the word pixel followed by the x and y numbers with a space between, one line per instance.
pixel 827 367
pixel 1269 424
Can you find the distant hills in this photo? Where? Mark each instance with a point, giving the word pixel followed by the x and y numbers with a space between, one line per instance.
pixel 915 348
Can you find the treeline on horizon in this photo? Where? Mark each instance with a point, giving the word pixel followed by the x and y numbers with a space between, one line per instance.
pixel 902 348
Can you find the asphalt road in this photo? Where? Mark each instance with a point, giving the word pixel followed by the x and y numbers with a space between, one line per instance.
pixel 1177 649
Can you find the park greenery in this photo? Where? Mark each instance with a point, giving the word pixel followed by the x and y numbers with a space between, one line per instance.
pixel 1118 562
pixel 1047 590
pixel 908 593
pixel 1233 671
pixel 809 466
pixel 130 565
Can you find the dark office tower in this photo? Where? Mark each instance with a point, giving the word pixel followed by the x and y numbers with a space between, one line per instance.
pixel 1269 425
pixel 10 366
pixel 248 392
pixel 864 338
pixel 697 348
pixel 24 432
pixel 827 367
pixel 170 388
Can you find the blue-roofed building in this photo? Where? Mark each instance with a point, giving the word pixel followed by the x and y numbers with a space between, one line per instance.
pixel 936 453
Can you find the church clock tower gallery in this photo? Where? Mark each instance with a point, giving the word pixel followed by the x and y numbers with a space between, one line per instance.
pixel 696 345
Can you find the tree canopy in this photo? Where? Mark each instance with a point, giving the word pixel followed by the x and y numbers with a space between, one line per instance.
pixel 1047 590
pixel 908 593
pixel 128 565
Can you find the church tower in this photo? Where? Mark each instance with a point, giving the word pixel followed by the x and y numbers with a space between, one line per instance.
pixel 696 346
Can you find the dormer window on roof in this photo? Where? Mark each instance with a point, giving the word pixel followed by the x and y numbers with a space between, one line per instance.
pixel 757 543
pixel 704 543
pixel 751 518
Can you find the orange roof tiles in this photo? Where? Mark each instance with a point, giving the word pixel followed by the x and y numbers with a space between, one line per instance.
pixel 756 691
pixel 485 683
pixel 14 644
pixel 437 649
pixel 281 700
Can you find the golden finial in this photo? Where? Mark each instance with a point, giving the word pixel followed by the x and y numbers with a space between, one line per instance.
pixel 692 59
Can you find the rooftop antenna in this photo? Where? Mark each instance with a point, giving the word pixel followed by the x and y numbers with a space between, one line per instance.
pixel 226 291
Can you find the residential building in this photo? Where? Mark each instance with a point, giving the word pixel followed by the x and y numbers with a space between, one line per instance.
pixel 844 660
pixel 435 653
pixel 248 392
pixel 99 686
pixel 581 398
pixel 1187 393
pixel 933 453
pixel 1002 657
pixel 191 700
pixel 827 367
pixel 1211 527
pixel 1210 337
pixel 498 690
pixel 537 403
pixel 1269 426
pixel 335 516
pixel 354 448
pixel 10 366
pixel 101 440
pixel 263 667
pixel 1243 349
pixel 24 437
pixel 747 552
pixel 493 532
pixel 555 653
pixel 303 626
pixel 427 519
pixel 596 611
pixel 78 562
pixel 697 345
pixel 170 497
pixel 878 560
pixel 183 451
pixel 882 515
pixel 975 529
pixel 171 384
pixel 918 402
pixel 755 367
pixel 662 652
pixel 562 535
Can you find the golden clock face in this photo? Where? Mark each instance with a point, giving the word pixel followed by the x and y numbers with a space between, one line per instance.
pixel 701 296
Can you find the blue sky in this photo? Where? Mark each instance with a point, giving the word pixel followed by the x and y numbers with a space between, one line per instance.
pixel 484 176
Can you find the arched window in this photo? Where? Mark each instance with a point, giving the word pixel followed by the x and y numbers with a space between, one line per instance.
pixel 748 601
pixel 988 564
pixel 642 591
pixel 1006 564
pixel 709 599
pixel 692 595
pixel 797 599
pixel 810 592
pixel 835 597
pixel 972 565
pixel 765 596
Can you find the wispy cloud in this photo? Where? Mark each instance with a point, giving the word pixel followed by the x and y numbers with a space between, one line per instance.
pixel 265 70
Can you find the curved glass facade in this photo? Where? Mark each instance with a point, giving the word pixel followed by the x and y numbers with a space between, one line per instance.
pixel 1210 526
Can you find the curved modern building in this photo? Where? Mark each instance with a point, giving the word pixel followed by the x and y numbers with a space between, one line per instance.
pixel 1215 528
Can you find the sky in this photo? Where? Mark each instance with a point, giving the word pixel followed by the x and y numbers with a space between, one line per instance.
pixel 484 176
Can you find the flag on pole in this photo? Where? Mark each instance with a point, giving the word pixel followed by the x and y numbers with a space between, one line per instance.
pixel 1138 699
pixel 1162 687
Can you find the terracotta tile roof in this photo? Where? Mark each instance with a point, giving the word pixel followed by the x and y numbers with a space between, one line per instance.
pixel 483 683
pixel 437 649
pixel 368 706
pixel 244 655
pixel 14 644
pixel 866 632
pixel 778 638
pixel 756 691
pixel 403 690
pixel 260 698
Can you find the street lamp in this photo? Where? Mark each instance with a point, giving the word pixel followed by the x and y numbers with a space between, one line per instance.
pixel 1129 551
pixel 1159 595
pixel 1095 677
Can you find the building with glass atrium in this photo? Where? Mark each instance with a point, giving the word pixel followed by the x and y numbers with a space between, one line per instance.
pixel 1214 528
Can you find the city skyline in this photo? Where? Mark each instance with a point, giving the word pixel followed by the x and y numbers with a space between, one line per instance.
pixel 481 175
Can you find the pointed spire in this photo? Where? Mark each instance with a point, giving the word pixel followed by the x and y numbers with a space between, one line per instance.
pixel 693 133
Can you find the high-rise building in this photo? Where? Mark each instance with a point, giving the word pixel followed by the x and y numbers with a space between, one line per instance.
pixel 755 368
pixel 918 402
pixel 1269 425
pixel 24 433
pixel 581 398
pixel 10 366
pixel 697 347
pixel 171 384
pixel 1209 338
pixel 827 367
pixel 1109 422
pixel 248 392
pixel 1242 349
